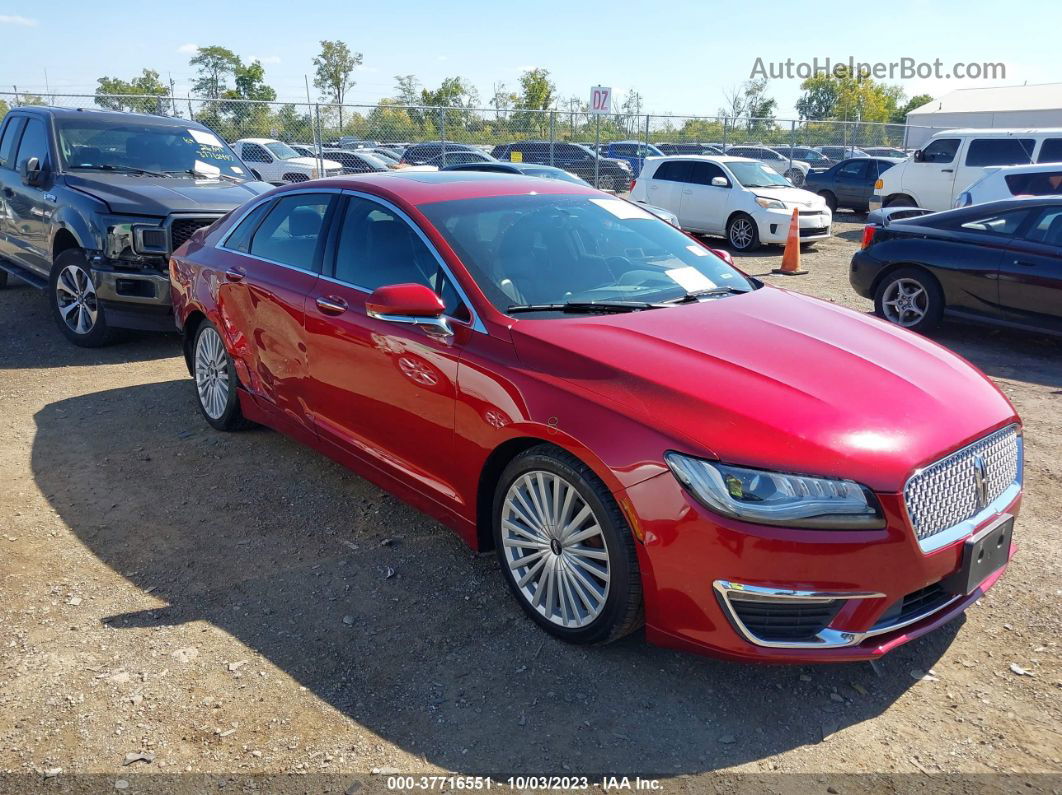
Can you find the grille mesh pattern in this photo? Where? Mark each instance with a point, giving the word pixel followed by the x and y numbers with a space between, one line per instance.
pixel 946 493
pixel 784 619
pixel 184 228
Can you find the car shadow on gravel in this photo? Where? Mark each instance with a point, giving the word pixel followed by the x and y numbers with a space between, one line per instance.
pixel 387 617
pixel 34 341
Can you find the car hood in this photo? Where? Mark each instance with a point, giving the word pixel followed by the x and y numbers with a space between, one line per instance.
pixel 309 163
pixel 793 197
pixel 776 380
pixel 159 196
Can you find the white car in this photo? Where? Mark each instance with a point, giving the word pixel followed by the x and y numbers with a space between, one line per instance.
pixel 1009 182
pixel 733 197
pixel 274 161
pixel 796 171
pixel 934 175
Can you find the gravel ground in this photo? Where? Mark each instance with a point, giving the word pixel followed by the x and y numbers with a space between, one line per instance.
pixel 236 604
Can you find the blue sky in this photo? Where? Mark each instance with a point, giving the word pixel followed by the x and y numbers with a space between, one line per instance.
pixel 680 55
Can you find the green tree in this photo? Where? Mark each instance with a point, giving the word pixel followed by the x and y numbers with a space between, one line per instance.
pixel 842 95
pixel 819 98
pixel 536 90
pixel 406 89
pixel 900 115
pixel 214 65
pixel 250 83
pixel 142 94
pixel 334 66
pixel 4 108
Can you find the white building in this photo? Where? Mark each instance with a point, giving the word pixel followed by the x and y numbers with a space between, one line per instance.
pixel 1006 106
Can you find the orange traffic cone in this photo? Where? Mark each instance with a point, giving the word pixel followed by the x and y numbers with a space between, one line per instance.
pixel 791 255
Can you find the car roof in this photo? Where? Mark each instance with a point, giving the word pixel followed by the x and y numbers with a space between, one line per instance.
pixel 998 132
pixel 258 141
pixel 100 114
pixel 706 158
pixel 429 187
pixel 1028 168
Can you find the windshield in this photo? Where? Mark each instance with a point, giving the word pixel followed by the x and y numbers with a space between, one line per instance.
pixel 156 148
pixel 282 151
pixel 756 175
pixel 547 249
pixel 554 173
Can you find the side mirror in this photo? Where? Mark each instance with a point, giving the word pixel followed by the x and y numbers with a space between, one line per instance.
pixel 31 172
pixel 410 304
pixel 720 182
pixel 257 176
pixel 918 157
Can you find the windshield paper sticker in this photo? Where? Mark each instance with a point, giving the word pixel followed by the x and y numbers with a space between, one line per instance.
pixel 206 138
pixel 690 279
pixel 206 169
pixel 622 209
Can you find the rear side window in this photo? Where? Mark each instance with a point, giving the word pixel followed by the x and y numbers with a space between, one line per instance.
pixel 1050 151
pixel 997 224
pixel 1042 183
pixel 7 142
pixel 1000 151
pixel 857 168
pixel 34 143
pixel 1048 228
pixel 289 234
pixel 240 239
pixel 942 150
pixel 675 171
pixel 703 173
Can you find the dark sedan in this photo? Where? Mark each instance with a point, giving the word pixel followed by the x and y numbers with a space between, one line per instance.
pixel 849 183
pixel 997 263
pixel 527 169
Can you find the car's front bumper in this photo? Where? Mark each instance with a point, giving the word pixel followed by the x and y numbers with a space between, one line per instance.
pixel 774 226
pixel 134 299
pixel 876 202
pixel 693 562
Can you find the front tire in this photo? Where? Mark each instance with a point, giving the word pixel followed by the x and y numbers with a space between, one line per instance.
pixel 742 233
pixel 72 296
pixel 901 201
pixel 796 176
pixel 215 380
pixel 911 298
pixel 830 199
pixel 566 549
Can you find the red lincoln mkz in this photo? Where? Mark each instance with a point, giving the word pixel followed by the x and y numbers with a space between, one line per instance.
pixel 642 432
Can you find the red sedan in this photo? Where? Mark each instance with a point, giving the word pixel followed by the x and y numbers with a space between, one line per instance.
pixel 643 433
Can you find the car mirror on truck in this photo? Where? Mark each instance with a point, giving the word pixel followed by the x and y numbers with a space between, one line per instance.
pixel 918 157
pixel 31 172
pixel 720 182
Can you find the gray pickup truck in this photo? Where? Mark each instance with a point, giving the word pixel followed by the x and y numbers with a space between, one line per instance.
pixel 93 202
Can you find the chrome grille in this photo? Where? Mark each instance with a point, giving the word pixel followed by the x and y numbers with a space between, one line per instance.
pixel 958 487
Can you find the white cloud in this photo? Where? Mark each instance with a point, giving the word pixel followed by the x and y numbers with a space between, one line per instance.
pixel 264 60
pixel 24 22
pixel 188 49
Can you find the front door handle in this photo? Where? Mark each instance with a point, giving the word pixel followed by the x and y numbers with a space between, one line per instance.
pixel 235 274
pixel 331 305
pixel 947 170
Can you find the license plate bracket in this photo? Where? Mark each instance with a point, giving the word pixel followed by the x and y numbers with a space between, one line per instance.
pixel 982 555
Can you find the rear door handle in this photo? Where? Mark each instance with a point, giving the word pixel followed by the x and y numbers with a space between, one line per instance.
pixel 235 274
pixel 947 170
pixel 331 305
pixel 1025 263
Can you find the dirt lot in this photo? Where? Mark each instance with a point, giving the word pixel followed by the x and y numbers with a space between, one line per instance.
pixel 237 604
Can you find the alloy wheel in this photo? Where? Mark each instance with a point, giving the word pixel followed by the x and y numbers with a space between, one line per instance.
pixel 76 298
pixel 555 549
pixel 741 233
pixel 212 373
pixel 905 302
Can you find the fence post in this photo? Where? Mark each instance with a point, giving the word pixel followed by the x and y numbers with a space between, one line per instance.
pixel 724 133
pixel 552 134
pixel 792 142
pixel 647 117
pixel 597 148
pixel 442 134
pixel 318 134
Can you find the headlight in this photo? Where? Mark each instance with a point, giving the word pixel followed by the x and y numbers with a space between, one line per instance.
pixel 777 498
pixel 770 204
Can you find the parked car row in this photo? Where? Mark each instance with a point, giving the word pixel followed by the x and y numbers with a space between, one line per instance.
pixel 557 374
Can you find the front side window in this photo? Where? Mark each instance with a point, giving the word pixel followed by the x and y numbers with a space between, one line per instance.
pixel 703 173
pixel 281 151
pixel 556 249
pixel 172 149
pixel 1048 227
pixel 290 234
pixel 253 153
pixel 377 247
pixel 34 143
pixel 1005 224
pixel 240 238
pixel 854 169
pixel 942 150
pixel 1000 152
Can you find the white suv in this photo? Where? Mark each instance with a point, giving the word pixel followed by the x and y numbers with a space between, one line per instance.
pixel 796 171
pixel 733 197
pixel 276 162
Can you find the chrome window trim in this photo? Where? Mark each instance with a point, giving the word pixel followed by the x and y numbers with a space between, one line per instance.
pixel 952 534
pixel 827 638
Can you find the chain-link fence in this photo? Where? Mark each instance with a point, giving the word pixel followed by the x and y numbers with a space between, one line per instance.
pixel 605 150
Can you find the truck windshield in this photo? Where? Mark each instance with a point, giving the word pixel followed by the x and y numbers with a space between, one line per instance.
pixel 281 150
pixel 155 148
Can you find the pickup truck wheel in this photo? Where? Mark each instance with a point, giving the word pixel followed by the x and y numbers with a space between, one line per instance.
pixel 796 176
pixel 606 182
pixel 72 295
pixel 901 201
pixel 830 199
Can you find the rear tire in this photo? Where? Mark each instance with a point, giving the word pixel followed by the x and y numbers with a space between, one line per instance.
pixel 796 176
pixel 910 298
pixel 215 380
pixel 566 549
pixel 72 296
pixel 830 199
pixel 901 201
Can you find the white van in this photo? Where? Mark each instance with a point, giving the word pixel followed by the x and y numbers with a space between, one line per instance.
pixel 935 174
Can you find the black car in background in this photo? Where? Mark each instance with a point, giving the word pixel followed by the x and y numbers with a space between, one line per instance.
pixel 813 157
pixel 998 263
pixel 849 183
pixel 527 169
pixel 689 149
pixel 457 157
pixel 355 162
pixel 93 202
pixel 613 174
